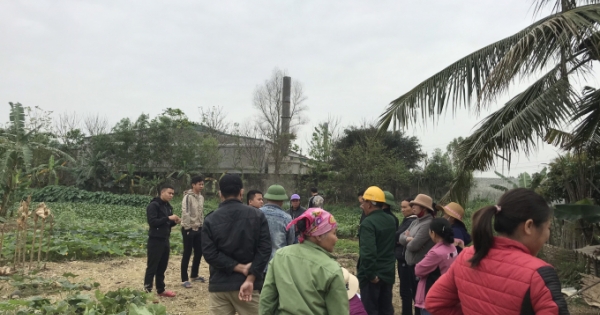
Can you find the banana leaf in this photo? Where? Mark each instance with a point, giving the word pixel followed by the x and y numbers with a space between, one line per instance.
pixel 572 212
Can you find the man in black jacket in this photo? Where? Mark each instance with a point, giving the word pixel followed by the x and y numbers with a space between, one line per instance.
pixel 161 219
pixel 237 245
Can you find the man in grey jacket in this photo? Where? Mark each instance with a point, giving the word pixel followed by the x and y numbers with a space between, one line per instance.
pixel 192 218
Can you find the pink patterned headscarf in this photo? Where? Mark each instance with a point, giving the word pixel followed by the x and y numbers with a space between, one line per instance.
pixel 318 222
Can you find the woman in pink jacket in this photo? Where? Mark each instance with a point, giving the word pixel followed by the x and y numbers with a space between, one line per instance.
pixel 500 275
pixel 437 261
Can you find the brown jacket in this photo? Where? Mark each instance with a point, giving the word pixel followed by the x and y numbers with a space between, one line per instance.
pixel 192 211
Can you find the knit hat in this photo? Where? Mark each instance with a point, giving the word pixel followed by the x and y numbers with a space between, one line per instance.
pixel 295 197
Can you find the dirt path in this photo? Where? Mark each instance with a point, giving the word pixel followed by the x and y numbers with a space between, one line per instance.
pixel 129 272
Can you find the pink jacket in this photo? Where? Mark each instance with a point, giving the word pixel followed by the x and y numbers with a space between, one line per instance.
pixel 440 255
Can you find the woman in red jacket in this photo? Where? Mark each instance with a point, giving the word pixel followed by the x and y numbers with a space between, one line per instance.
pixel 501 275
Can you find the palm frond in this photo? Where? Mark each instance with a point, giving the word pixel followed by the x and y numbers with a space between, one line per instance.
pixel 588 130
pixel 520 122
pixel 499 187
pixel 542 46
pixel 558 137
pixel 486 72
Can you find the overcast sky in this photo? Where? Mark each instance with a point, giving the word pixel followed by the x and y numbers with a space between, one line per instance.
pixel 122 58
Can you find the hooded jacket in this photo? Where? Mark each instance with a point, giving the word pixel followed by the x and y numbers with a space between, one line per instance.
pixel 508 281
pixel 192 211
pixel 157 214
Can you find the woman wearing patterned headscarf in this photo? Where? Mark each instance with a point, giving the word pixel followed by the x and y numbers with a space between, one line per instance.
pixel 305 278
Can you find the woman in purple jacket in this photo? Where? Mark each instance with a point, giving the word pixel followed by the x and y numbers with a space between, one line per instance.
pixel 356 306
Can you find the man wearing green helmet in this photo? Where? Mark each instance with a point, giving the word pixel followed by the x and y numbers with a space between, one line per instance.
pixel 278 218
pixel 390 202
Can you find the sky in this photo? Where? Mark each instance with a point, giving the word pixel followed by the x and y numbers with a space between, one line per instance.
pixel 123 58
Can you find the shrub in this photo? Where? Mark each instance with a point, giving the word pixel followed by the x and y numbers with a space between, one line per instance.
pixel 55 193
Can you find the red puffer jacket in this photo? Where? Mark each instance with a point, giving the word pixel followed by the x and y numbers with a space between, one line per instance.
pixel 507 281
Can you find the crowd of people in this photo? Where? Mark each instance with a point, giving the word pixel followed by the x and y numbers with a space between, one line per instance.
pixel 267 260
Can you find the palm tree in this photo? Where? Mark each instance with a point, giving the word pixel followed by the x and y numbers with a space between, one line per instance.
pixel 18 144
pixel 551 50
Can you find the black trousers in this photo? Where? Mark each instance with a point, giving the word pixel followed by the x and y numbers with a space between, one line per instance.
pixel 406 287
pixel 377 298
pixel 412 279
pixel 192 240
pixel 158 260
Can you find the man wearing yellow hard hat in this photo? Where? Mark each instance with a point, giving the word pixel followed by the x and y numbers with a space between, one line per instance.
pixel 376 271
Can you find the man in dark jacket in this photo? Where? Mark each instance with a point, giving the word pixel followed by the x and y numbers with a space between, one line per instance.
pixel 237 245
pixel 404 273
pixel 161 219
pixel 296 209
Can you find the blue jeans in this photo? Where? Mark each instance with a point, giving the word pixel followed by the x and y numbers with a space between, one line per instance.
pixel 424 312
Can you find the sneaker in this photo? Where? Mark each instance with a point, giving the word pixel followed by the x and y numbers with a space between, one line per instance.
pixel 199 279
pixel 167 294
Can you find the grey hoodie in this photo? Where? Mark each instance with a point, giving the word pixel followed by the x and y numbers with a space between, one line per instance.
pixel 192 211
pixel 421 243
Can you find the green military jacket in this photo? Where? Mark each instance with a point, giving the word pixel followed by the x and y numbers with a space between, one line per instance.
pixel 377 243
pixel 304 279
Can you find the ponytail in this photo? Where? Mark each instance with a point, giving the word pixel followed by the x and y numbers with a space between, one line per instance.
pixel 483 233
pixel 514 207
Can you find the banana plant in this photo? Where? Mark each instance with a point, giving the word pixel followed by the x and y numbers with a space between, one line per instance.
pixel 17 143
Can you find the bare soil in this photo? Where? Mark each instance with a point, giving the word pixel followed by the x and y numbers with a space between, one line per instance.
pixel 129 272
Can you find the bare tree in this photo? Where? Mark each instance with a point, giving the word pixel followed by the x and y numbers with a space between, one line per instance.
pixel 96 125
pixel 251 149
pixel 214 118
pixel 38 119
pixel 66 122
pixel 268 101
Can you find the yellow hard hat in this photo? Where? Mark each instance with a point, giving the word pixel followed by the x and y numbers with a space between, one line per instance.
pixel 374 193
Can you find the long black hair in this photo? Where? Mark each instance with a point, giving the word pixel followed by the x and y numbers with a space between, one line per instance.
pixel 513 208
pixel 442 227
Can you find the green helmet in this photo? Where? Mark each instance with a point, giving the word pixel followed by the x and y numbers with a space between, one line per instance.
pixel 277 193
pixel 389 199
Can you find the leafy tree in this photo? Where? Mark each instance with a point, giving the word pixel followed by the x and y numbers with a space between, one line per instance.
pixel 438 174
pixel 403 148
pixel 366 164
pixel 552 51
